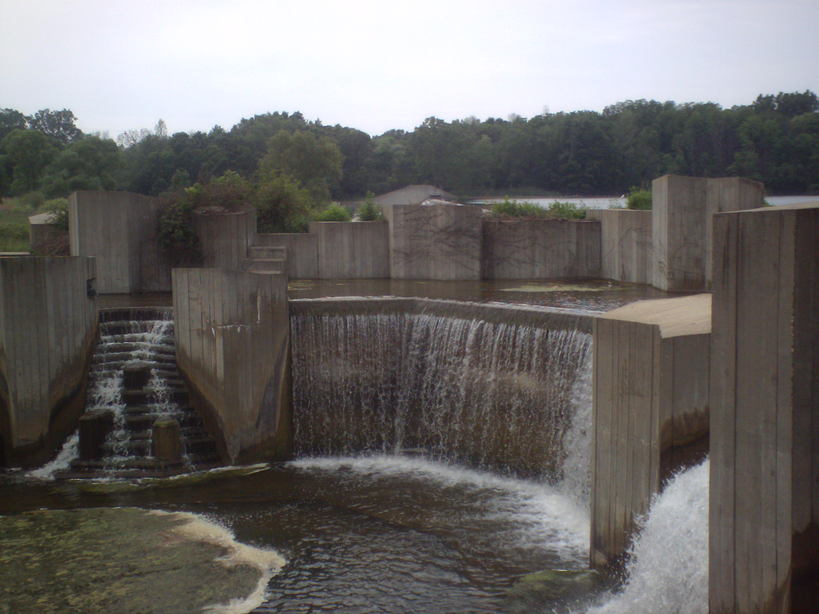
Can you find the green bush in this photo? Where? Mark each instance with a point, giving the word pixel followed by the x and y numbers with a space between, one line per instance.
pixel 514 208
pixel 639 199
pixel 333 213
pixel 369 211
pixel 523 209
pixel 282 204
pixel 58 208
pixel 566 211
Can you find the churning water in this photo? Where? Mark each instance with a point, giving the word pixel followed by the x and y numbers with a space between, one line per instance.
pixel 389 531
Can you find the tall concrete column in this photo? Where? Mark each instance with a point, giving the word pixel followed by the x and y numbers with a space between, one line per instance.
pixel 682 209
pixel 650 410
pixel 764 491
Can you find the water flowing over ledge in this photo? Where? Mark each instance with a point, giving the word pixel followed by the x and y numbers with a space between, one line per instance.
pixel 487 385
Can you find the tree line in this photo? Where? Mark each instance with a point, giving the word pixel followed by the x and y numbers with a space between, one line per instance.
pixel 775 139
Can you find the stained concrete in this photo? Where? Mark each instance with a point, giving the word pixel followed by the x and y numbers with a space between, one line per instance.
pixel 47 328
pixel 302 252
pixel 682 210
pixel 224 236
pixel 650 388
pixel 764 483
pixel 626 249
pixel 435 242
pixel 119 229
pixel 540 249
pixel 232 339
pixel 352 250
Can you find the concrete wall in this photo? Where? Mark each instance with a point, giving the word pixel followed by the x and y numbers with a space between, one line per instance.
pixel 232 339
pixel 764 491
pixel 682 208
pixel 532 249
pixel 626 250
pixel 435 242
pixel 47 328
pixel 650 388
pixel 352 250
pixel 225 237
pixel 302 252
pixel 119 229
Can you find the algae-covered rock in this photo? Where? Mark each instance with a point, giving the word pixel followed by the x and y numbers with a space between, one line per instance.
pixel 542 590
pixel 127 561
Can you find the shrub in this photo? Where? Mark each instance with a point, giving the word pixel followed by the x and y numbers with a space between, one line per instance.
pixel 566 211
pixel 638 199
pixel 514 208
pixel 58 208
pixel 369 211
pixel 282 204
pixel 333 213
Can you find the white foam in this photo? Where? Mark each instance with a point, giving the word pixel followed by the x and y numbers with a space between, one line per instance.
pixel 668 570
pixel 545 517
pixel 266 561
pixel 68 452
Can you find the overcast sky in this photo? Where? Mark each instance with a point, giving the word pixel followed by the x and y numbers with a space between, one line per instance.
pixel 377 65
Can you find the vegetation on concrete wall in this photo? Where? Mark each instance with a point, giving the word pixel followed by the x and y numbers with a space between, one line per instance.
pixel 522 209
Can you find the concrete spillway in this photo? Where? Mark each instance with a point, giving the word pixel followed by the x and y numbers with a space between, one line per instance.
pixel 488 385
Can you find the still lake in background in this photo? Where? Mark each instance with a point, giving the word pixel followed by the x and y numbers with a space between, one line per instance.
pixel 619 202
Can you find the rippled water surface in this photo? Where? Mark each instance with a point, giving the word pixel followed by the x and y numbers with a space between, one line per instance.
pixel 386 534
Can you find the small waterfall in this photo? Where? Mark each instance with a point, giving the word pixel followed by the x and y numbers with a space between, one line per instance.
pixel 668 567
pixel 128 337
pixel 493 394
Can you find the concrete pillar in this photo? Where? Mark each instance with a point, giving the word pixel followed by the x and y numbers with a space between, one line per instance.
pixel 682 209
pixel 650 388
pixel 166 440
pixel 764 486
pixel 95 426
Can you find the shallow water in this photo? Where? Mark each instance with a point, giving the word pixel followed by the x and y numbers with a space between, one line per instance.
pixel 385 533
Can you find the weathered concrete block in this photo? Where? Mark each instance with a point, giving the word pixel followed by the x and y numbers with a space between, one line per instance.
pixel 232 339
pixel 626 248
pixel 166 440
pixel 682 211
pixel 225 236
pixel 651 366
pixel 435 242
pixel 302 252
pixel 47 328
pixel 538 249
pixel 119 229
pixel 352 250
pixel 94 428
pixel 764 483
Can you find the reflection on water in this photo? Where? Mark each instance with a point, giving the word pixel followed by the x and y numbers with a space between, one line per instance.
pixel 592 295
pixel 386 534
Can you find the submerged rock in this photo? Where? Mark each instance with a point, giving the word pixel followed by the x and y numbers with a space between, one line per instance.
pixel 128 561
pixel 543 590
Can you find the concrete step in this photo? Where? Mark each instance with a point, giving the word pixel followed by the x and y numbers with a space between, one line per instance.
pixel 266 251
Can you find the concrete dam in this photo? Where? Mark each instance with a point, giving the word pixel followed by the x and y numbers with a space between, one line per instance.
pixel 415 454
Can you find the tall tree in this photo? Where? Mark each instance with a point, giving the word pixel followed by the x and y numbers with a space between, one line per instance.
pixel 56 124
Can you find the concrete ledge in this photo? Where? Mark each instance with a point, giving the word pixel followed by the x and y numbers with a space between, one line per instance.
pixel 352 250
pixel 626 251
pixel 651 365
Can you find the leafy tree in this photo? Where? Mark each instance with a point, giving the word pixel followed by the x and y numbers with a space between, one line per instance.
pixel 315 162
pixel 282 204
pixel 26 154
pixel 57 124
pixel 10 120
pixel 87 164
pixel 369 211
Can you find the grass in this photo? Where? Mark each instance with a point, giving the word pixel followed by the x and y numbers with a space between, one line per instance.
pixel 14 226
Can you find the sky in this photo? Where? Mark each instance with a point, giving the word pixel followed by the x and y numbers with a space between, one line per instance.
pixel 389 64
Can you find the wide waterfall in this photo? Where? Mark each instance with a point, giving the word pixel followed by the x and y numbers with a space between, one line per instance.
pixel 453 385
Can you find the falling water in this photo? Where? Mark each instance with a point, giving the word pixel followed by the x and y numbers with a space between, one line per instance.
pixel 668 568
pixel 492 394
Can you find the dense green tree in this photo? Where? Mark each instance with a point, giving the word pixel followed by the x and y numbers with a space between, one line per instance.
pixel 10 120
pixel 90 163
pixel 57 124
pixel 282 204
pixel 314 161
pixel 26 154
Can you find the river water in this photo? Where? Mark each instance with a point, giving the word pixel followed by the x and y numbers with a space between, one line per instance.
pixel 401 532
